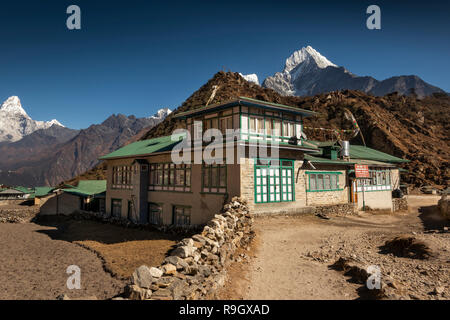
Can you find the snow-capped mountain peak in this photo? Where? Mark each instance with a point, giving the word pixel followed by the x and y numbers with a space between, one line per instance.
pixel 161 114
pixel 307 55
pixel 15 123
pixel 12 105
pixel 250 78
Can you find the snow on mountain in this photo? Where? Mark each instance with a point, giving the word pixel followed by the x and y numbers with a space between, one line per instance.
pixel 15 123
pixel 161 114
pixel 306 72
pixel 250 78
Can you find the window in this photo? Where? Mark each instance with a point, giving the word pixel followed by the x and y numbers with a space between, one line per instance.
pixel 288 129
pixel 154 213
pixel 170 176
pixel 274 181
pixel 122 177
pixel 116 208
pixel 181 216
pixel 226 123
pixel 323 181
pixel 214 178
pixel 269 126
pixel 379 180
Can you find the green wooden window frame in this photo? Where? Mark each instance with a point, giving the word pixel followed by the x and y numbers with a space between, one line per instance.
pixel 274 180
pixel 283 121
pixel 380 180
pixel 322 181
pixel 214 178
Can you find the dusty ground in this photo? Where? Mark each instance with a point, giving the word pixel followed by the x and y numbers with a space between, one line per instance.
pixel 34 257
pixel 123 250
pixel 33 266
pixel 292 256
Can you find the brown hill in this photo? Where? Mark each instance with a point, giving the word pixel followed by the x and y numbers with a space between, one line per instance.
pixel 404 126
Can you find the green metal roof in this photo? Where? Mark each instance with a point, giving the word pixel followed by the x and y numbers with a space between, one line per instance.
pixel 247 102
pixel 88 187
pixel 362 152
pixel 23 189
pixel 42 191
pixel 145 147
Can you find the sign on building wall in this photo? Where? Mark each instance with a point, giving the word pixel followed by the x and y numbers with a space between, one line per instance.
pixel 362 171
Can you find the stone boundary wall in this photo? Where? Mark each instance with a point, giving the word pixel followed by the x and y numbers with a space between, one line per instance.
pixel 18 215
pixel 196 268
pixel 399 204
pixel 341 209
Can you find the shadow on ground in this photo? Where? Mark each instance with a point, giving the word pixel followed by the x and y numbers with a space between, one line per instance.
pixel 431 219
pixel 72 230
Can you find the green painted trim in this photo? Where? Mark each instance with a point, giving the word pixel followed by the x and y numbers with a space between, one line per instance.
pixel 328 190
pixel 323 172
pixel 268 185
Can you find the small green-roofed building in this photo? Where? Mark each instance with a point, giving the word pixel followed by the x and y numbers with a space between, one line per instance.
pixel 88 188
pixel 42 191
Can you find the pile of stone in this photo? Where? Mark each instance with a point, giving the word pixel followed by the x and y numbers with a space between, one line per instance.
pixel 196 268
pixel 18 215
pixel 400 204
pixel 342 209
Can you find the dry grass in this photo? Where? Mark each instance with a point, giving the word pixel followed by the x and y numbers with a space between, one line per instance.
pixel 122 249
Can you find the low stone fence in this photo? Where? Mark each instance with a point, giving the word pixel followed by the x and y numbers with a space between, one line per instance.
pixel 18 215
pixel 444 206
pixel 196 268
pixel 399 204
pixel 342 209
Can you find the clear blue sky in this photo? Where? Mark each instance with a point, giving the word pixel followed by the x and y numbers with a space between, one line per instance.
pixel 134 57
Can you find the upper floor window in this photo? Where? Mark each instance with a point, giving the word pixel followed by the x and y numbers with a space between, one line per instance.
pixel 122 177
pixel 214 178
pixel 170 176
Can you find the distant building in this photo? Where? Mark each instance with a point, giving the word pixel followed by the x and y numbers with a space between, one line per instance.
pixel 88 195
pixel 16 193
pixel 145 186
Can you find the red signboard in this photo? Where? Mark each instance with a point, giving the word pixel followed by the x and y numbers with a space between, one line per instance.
pixel 362 171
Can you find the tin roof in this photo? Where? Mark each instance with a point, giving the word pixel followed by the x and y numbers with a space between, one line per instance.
pixel 245 101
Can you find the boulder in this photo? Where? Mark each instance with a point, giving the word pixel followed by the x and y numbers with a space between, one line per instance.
pixel 169 269
pixel 156 272
pixel 142 277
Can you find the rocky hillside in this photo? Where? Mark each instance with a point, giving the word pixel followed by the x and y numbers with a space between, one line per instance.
pixel 405 126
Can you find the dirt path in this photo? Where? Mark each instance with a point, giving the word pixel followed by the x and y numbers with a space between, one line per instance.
pixel 33 266
pixel 292 256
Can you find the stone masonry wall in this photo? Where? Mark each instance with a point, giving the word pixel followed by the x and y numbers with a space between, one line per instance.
pixel 399 204
pixel 18 215
pixel 196 268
